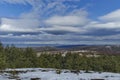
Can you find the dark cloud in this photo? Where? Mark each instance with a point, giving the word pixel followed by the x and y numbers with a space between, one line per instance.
pixel 101 32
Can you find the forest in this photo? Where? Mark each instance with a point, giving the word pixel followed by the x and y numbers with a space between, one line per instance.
pixel 13 57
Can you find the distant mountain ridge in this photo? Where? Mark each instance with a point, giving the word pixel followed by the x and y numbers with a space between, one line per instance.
pixel 69 46
pixel 102 49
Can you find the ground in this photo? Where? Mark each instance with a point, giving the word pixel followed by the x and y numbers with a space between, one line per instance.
pixel 51 74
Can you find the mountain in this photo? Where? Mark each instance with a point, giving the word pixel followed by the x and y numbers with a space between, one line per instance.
pixel 101 49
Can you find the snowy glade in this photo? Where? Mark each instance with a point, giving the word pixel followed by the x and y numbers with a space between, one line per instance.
pixel 52 74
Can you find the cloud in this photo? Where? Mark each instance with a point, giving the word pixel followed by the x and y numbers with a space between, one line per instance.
pixel 76 17
pixel 65 39
pixel 54 22
pixel 70 23
pixel 23 2
pixel 61 30
pixel 111 17
pixel 32 1
pixel 14 1
pixel 20 25
pixel 110 21
pixel 67 20
pixel 42 11
pixel 103 25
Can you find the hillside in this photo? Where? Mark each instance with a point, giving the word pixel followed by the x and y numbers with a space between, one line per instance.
pixel 100 49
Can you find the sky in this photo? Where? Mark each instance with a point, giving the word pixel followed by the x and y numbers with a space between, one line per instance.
pixel 59 22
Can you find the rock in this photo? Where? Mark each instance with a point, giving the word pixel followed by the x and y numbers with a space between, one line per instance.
pixel 35 79
pixel 97 79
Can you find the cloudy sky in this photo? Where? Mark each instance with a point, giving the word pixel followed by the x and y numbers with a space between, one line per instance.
pixel 59 22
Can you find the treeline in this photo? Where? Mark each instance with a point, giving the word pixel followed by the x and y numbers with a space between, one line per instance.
pixel 108 63
pixel 12 57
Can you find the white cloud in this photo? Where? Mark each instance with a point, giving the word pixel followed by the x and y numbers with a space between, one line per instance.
pixel 99 25
pixel 67 20
pixel 109 21
pixel 24 2
pixel 18 24
pixel 63 29
pixel 113 16
pixel 73 22
pixel 77 17
pixel 34 19
pixel 15 1
pixel 32 1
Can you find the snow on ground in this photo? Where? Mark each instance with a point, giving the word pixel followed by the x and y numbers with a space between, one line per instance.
pixel 50 74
